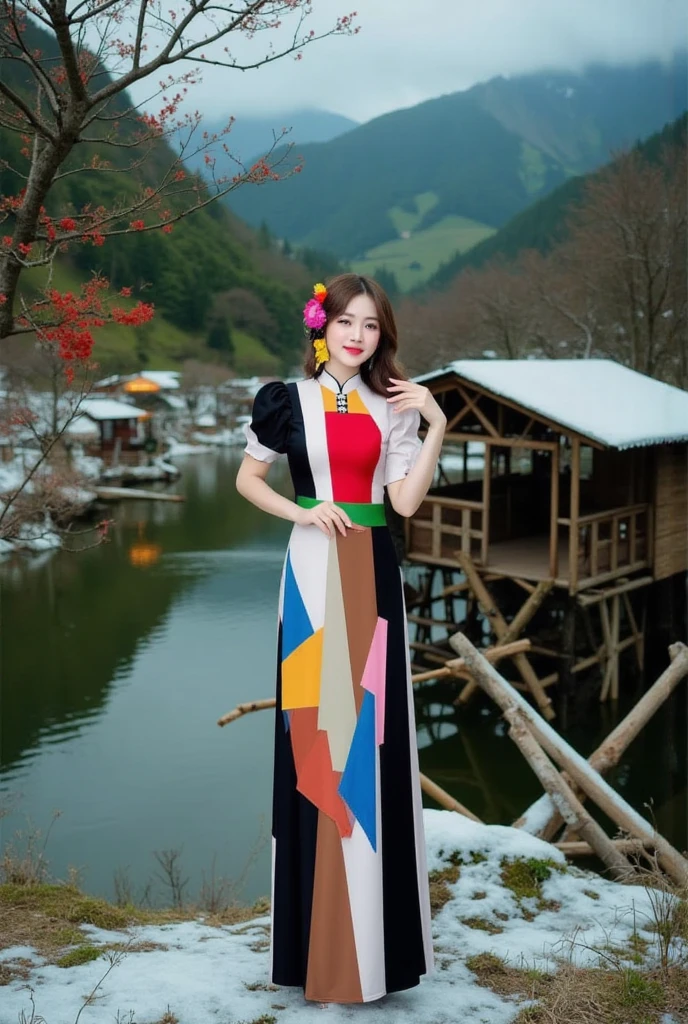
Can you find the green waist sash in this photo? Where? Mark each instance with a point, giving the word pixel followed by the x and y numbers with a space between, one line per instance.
pixel 360 512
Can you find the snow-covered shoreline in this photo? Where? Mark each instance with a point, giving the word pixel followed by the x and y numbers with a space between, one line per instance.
pixel 204 972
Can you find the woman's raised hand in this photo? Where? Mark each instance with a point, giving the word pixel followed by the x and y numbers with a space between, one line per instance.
pixel 327 517
pixel 415 396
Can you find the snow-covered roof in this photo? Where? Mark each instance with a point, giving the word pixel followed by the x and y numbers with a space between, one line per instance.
pixel 168 379
pixel 82 426
pixel 597 398
pixel 108 409
pixel 165 378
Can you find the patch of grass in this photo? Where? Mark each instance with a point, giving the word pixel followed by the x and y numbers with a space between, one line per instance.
pixel 80 955
pixel 575 995
pixel 440 893
pixel 168 1018
pixel 494 973
pixel 413 260
pixel 409 220
pixel 524 876
pixel 482 924
pixel 592 894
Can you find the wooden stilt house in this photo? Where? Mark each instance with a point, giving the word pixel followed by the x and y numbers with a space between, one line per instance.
pixel 571 475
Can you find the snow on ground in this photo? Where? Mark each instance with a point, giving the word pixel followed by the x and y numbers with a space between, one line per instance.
pixel 220 974
pixel 174 448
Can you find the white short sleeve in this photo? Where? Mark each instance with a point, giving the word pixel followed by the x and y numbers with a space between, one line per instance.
pixel 403 444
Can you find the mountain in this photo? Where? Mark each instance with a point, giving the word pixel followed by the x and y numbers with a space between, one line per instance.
pixel 251 137
pixel 221 289
pixel 544 224
pixel 479 156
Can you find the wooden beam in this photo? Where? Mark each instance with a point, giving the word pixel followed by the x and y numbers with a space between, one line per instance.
pixel 500 442
pixel 622 588
pixel 473 404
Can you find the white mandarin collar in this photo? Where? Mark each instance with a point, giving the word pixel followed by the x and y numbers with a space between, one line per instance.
pixel 332 384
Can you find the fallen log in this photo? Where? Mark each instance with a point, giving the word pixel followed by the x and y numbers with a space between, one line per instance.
pixel 610 750
pixel 614 806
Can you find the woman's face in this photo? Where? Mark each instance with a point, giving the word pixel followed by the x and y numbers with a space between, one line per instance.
pixel 353 336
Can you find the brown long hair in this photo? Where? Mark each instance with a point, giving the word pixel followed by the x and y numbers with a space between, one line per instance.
pixel 340 291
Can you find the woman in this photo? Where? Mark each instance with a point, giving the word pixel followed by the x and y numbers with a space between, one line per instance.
pixel 350 906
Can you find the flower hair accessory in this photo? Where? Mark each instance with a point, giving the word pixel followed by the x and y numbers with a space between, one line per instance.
pixel 315 318
pixel 314 315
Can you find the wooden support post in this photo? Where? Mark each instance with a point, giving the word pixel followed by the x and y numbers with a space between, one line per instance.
pixel 554 515
pixel 579 771
pixel 487 481
pixel 567 803
pixel 615 641
pixel 574 511
pixel 610 750
pixel 501 630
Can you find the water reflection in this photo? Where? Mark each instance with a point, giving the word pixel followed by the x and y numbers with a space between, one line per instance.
pixel 117 663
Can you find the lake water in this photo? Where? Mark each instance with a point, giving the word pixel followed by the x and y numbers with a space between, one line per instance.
pixel 118 661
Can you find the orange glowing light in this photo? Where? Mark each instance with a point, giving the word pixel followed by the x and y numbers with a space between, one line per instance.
pixel 140 386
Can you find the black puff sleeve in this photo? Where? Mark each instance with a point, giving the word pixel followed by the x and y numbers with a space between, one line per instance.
pixel 268 432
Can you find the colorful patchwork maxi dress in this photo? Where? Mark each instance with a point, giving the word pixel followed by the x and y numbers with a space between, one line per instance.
pixel 350 902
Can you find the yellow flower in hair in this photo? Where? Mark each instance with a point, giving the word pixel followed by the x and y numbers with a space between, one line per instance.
pixel 320 292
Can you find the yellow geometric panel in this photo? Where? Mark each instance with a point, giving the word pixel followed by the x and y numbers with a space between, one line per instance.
pixel 329 400
pixel 301 674
pixel 356 402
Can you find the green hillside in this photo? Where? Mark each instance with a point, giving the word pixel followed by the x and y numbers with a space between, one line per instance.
pixel 543 224
pixel 211 266
pixel 484 154
pixel 416 258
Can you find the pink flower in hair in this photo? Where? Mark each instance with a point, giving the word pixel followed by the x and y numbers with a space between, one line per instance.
pixel 314 316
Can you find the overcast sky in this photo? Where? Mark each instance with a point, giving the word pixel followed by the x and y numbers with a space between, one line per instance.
pixel 411 50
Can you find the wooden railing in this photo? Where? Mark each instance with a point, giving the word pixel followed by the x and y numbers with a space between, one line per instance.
pixel 607 543
pixel 443 525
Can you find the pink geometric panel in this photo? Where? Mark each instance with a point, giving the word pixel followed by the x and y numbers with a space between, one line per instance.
pixel 374 676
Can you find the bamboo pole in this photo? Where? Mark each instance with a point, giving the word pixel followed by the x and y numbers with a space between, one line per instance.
pixel 579 848
pixel 566 801
pixel 457 666
pixel 579 770
pixel 244 709
pixel 445 799
pixel 500 628
pixel 608 754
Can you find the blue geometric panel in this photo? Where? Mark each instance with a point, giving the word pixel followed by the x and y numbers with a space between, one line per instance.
pixel 357 785
pixel 296 626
